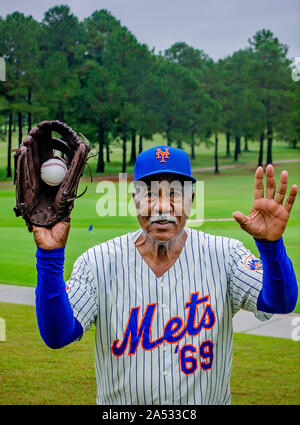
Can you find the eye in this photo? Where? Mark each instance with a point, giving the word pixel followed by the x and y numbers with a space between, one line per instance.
pixel 176 194
pixel 151 194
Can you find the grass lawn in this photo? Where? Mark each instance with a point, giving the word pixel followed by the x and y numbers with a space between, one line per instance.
pixel 265 370
pixel 31 373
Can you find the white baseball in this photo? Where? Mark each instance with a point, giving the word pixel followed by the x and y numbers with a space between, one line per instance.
pixel 53 171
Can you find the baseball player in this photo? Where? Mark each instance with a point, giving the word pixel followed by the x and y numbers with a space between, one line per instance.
pixel 162 298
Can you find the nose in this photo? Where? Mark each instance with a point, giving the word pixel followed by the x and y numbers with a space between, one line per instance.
pixel 162 205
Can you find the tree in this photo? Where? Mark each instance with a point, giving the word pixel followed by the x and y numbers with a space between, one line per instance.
pixel 61 52
pixel 211 82
pixel 124 57
pixel 175 84
pixel 243 113
pixel 120 94
pixel 271 71
pixel 201 104
pixel 19 48
pixel 95 75
pixel 62 32
pixel 288 127
pixel 59 89
pixel 100 106
pixel 99 88
pixel 148 120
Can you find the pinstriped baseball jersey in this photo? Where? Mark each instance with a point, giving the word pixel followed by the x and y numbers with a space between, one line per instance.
pixel 164 340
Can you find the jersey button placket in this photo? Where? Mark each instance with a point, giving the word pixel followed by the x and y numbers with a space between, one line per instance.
pixel 161 282
pixel 164 347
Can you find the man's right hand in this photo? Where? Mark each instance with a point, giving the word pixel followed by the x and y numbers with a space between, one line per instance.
pixel 55 237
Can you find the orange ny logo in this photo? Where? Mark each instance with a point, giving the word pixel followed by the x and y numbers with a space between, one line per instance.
pixel 162 154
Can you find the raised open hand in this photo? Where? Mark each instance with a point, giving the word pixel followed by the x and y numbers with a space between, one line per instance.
pixel 268 217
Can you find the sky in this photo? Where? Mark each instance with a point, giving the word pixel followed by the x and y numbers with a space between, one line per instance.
pixel 218 27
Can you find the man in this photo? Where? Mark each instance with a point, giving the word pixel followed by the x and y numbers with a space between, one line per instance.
pixel 163 298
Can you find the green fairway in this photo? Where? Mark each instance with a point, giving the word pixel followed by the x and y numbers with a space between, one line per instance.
pixel 32 373
pixel 231 190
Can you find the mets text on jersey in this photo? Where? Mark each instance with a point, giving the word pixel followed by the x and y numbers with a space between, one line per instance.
pixel 174 330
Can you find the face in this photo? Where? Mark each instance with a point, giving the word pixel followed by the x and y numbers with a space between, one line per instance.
pixel 163 206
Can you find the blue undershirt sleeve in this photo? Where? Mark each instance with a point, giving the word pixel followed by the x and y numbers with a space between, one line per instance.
pixel 55 318
pixel 280 290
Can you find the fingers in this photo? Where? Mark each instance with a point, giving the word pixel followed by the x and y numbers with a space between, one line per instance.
pixel 37 230
pixel 271 182
pixel 51 238
pixel 64 223
pixel 38 235
pixel 271 186
pixel 282 187
pixel 241 218
pixel 259 183
pixel 291 198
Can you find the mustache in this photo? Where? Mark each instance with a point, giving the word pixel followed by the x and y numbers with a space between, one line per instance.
pixel 162 217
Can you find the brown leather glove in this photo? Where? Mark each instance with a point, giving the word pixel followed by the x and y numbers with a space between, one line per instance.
pixel 38 203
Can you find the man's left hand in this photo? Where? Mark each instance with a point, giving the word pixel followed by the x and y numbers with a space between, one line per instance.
pixel 268 217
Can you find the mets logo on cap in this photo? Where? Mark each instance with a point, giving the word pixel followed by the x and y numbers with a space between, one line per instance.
pixel 162 155
pixel 252 263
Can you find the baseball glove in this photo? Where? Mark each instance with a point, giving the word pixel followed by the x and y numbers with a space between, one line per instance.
pixel 38 203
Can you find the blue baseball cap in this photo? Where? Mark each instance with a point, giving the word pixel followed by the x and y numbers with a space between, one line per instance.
pixel 163 159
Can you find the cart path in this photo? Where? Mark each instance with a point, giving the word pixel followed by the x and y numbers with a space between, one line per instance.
pixel 280 325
